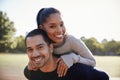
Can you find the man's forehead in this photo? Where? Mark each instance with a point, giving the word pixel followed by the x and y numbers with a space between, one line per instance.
pixel 34 40
pixel 36 37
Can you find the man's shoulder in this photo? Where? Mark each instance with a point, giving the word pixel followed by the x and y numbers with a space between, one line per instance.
pixel 39 75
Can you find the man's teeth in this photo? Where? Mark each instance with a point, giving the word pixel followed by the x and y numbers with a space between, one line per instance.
pixel 38 59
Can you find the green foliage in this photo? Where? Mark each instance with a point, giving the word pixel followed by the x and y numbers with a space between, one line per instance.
pixel 105 48
pixel 20 47
pixel 94 45
pixel 7 30
pixel 9 43
pixel 112 46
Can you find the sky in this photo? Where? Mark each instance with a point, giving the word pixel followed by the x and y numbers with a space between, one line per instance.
pixel 88 18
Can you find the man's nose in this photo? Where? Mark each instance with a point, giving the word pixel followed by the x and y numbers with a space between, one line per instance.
pixel 35 53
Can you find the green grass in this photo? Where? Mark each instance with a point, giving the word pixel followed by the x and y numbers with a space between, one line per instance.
pixel 110 64
pixel 12 66
pixel 15 63
pixel 13 60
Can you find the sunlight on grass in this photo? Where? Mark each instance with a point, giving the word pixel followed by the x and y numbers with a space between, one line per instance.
pixel 12 66
pixel 13 61
pixel 110 64
pixel 17 62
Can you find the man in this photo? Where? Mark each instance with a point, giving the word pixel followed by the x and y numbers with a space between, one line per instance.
pixel 39 49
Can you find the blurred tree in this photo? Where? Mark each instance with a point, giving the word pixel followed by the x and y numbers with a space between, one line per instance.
pixel 7 31
pixel 83 38
pixel 20 47
pixel 104 41
pixel 118 48
pixel 113 46
pixel 94 45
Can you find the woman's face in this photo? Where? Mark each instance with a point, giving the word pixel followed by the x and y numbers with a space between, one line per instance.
pixel 55 28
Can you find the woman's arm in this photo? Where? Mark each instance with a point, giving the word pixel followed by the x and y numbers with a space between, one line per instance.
pixel 84 54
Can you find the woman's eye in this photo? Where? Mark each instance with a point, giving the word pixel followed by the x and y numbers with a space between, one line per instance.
pixel 62 24
pixel 52 26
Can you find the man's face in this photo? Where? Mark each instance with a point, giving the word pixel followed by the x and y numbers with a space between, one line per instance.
pixel 38 51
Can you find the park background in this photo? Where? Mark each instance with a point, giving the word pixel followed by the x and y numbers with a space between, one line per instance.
pixel 96 22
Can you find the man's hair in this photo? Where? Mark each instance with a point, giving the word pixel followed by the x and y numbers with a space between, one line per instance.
pixel 39 32
pixel 44 13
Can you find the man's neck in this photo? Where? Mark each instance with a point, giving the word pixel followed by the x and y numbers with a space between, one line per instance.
pixel 50 66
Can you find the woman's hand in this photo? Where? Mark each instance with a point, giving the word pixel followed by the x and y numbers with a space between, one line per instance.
pixel 62 67
pixel 31 66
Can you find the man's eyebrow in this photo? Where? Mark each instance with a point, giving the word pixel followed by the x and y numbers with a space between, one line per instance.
pixel 28 47
pixel 40 44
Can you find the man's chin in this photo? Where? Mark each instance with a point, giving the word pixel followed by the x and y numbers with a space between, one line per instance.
pixel 38 65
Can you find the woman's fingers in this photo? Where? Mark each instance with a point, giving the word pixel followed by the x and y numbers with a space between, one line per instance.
pixel 65 71
pixel 31 66
pixel 62 68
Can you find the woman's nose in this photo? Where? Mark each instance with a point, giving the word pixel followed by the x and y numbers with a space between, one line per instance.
pixel 59 29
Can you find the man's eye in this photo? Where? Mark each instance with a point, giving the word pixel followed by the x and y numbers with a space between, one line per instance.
pixel 29 50
pixel 40 47
pixel 52 26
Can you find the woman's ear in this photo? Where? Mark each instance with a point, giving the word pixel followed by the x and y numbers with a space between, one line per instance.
pixel 51 48
pixel 40 27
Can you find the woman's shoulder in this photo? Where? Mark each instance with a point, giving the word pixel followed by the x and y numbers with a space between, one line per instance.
pixel 72 38
pixel 69 36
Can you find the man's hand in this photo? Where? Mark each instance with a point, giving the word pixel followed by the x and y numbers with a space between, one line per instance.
pixel 62 67
pixel 31 66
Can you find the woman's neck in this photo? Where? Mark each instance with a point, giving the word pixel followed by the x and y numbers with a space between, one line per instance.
pixel 60 44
